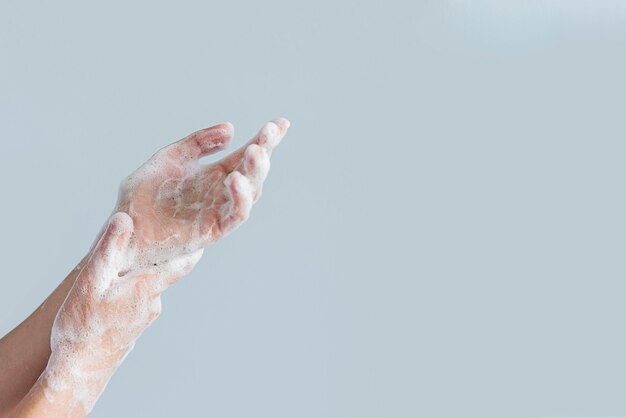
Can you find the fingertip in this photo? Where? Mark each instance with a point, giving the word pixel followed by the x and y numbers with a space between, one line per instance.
pixel 269 136
pixel 228 127
pixel 215 138
pixel 282 123
pixel 272 128
pixel 225 129
pixel 201 143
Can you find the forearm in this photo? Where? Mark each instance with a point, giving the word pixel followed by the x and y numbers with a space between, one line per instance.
pixel 24 351
pixel 51 398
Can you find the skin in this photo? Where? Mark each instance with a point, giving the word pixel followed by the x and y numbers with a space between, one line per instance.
pixel 187 205
pixel 167 211
pixel 96 327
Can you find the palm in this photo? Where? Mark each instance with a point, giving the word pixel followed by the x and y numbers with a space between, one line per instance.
pixel 179 205
pixel 176 205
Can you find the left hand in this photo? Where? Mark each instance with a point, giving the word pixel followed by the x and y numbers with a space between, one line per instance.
pixel 179 205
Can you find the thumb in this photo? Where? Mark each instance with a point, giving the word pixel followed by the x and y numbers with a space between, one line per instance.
pixel 109 254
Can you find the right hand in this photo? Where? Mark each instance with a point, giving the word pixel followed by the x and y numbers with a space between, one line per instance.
pixel 105 312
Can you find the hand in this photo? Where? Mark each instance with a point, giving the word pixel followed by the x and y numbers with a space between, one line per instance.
pixel 179 205
pixel 104 313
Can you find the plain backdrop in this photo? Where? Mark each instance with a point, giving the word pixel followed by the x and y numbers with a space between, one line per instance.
pixel 442 232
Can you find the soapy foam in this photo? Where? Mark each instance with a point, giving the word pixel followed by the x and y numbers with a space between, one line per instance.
pixel 90 340
pixel 168 210
pixel 183 194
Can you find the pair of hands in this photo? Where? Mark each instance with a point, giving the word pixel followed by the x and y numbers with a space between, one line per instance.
pixel 168 210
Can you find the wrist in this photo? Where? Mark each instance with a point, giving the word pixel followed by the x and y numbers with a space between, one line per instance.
pixel 77 374
pixel 48 399
pixel 70 385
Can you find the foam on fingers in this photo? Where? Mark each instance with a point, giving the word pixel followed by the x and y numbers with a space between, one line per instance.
pixel 213 139
pixel 269 137
pixel 256 163
pixel 237 209
pixel 283 124
pixel 201 143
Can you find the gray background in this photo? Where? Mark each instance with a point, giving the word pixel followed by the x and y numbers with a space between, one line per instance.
pixel 442 231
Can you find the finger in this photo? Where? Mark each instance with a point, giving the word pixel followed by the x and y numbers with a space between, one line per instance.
pixel 256 163
pixel 237 209
pixel 201 143
pixel 268 137
pixel 109 253
pixel 256 166
pixel 283 124
pixel 271 134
